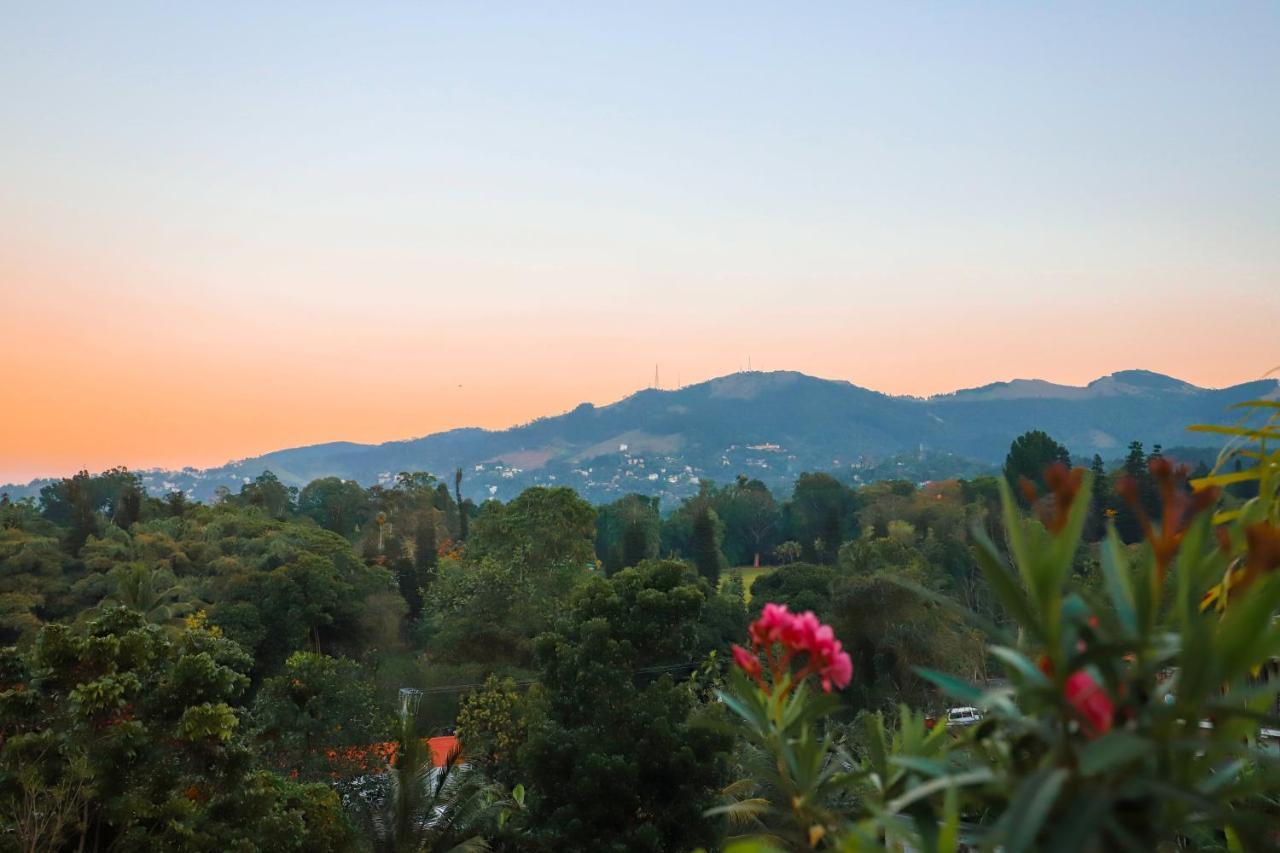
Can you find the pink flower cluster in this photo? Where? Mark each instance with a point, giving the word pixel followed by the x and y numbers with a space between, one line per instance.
pixel 795 633
pixel 1087 697
pixel 1091 702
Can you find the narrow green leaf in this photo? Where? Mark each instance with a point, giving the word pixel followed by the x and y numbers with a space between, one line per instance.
pixel 1015 535
pixel 924 766
pixel 1004 585
pixel 1225 479
pixel 1111 751
pixel 949 832
pixel 957 688
pixel 933 786
pixel 877 744
pixel 1030 807
pixel 1014 659
pixel 1115 573
pixel 977 620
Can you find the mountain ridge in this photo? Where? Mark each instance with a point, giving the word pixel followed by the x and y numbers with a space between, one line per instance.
pixel 770 425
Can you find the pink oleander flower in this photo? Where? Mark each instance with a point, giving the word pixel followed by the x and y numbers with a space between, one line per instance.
pixel 1091 702
pixel 768 629
pixel 747 662
pixel 795 633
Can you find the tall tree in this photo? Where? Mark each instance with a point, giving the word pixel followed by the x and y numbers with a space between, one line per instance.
pixel 335 504
pixel 1029 455
pixel 84 519
pixel 597 714
pixel 627 531
pixel 176 503
pixel 269 494
pixel 542 528
pixel 426 554
pixel 752 521
pixel 128 506
pixel 314 704
pixel 1096 524
pixel 463 521
pixel 1135 468
pixel 819 505
pixel 707 557
pixel 635 543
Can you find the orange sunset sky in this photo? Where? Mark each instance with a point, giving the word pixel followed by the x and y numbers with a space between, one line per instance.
pixel 229 230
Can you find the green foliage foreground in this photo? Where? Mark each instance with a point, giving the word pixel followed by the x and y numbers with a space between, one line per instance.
pixel 1132 718
pixel 126 737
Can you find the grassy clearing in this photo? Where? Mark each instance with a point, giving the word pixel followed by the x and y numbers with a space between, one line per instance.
pixel 749 575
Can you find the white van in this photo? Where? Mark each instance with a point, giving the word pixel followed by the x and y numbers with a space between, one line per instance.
pixel 963 716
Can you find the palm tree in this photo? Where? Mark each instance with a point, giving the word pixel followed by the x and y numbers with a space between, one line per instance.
pixel 155 593
pixel 420 808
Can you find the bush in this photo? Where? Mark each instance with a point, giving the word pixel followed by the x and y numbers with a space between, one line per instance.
pixel 1132 716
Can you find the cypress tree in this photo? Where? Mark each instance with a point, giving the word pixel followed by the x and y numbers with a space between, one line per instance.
pixel 462 510
pixel 128 508
pixel 706 550
pixel 1096 525
pixel 425 559
pixel 84 521
pixel 425 549
pixel 635 543
pixel 832 536
pixel 1135 466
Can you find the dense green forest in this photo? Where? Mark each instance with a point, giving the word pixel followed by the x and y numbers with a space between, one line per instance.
pixel 259 673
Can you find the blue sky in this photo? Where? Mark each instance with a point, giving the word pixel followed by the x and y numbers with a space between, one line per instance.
pixel 903 195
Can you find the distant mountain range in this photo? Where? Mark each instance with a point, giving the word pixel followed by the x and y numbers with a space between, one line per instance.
pixel 767 425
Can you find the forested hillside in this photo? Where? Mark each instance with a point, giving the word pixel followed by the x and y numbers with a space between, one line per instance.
pixel 397 667
pixel 772 426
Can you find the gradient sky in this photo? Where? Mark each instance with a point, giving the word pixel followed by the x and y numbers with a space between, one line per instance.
pixel 226 229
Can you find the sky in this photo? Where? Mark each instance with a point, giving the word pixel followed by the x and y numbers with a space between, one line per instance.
pixel 228 228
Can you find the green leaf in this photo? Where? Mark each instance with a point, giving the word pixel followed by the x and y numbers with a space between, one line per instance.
pixel 933 786
pixel 1217 429
pixel 1112 750
pixel 1029 807
pixel 1064 543
pixel 954 687
pixel 1014 534
pixel 1116 575
pixel 1004 585
pixel 877 744
pixel 751 714
pixel 1194 570
pixel 949 832
pixel 923 766
pixel 1243 637
pixel 1222 776
pixel 1018 661
pixel 1226 479
pixel 977 620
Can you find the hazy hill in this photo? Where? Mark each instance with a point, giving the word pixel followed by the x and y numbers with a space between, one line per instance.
pixel 766 425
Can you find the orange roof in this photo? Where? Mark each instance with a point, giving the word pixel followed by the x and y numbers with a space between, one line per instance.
pixel 440 749
pixel 375 757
